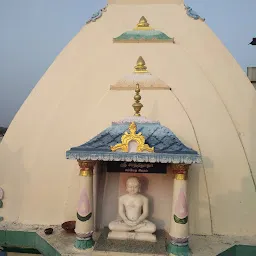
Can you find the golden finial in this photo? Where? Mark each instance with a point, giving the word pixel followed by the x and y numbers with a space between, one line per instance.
pixel 132 128
pixel 141 66
pixel 137 105
pixel 143 24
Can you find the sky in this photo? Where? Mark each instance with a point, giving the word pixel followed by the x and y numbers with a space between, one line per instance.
pixel 34 32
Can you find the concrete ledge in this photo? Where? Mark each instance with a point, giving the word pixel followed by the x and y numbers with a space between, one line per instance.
pixel 214 245
pixel 61 243
pixel 26 240
pixel 33 236
pixel 240 250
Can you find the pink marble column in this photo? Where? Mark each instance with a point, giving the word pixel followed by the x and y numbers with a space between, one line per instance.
pixel 179 219
pixel 84 221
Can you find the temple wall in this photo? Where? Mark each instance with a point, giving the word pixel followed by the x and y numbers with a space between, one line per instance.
pixel 211 108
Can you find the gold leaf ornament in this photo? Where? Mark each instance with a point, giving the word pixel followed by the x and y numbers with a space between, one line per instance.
pixel 132 136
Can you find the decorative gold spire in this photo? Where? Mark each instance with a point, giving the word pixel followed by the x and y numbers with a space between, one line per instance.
pixel 143 24
pixel 137 105
pixel 141 66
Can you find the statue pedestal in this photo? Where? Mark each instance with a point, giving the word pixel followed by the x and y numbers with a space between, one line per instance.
pixel 105 246
pixel 116 235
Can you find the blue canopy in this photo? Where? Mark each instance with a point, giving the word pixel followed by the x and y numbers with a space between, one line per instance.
pixel 167 147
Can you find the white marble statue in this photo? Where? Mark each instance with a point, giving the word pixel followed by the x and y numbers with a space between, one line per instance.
pixel 133 210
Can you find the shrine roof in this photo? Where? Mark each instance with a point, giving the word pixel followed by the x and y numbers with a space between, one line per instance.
pixel 167 147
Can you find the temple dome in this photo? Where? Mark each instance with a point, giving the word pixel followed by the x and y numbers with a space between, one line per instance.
pixel 211 108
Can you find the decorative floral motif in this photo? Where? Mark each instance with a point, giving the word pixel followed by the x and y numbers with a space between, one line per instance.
pixel 135 157
pixel 191 13
pixel 84 209
pixel 132 136
pixel 83 219
pixel 180 221
pixel 97 15
pixel 181 208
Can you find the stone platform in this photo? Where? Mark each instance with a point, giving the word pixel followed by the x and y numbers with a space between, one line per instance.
pixel 61 243
pixel 106 246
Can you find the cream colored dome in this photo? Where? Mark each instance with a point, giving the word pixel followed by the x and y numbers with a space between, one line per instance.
pixel 211 108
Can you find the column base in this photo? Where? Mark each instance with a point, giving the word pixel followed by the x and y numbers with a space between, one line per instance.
pixel 83 244
pixel 179 241
pixel 175 250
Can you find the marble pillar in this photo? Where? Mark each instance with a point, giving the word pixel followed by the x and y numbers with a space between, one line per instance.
pixel 179 232
pixel 84 219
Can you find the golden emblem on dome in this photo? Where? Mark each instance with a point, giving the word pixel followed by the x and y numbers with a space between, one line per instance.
pixel 140 66
pixel 143 24
pixel 132 136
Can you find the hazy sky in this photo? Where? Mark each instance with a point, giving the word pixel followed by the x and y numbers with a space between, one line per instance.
pixel 33 33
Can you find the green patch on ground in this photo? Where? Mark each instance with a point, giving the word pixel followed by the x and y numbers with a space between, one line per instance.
pixel 240 250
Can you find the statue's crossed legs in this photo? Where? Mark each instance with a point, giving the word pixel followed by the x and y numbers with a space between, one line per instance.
pixel 143 231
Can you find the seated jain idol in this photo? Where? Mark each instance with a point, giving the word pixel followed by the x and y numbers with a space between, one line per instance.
pixel 133 211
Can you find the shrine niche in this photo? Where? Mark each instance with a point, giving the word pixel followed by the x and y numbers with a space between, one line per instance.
pixel 129 153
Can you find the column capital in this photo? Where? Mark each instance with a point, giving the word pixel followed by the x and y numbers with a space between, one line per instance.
pixel 180 171
pixel 180 167
pixel 86 167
